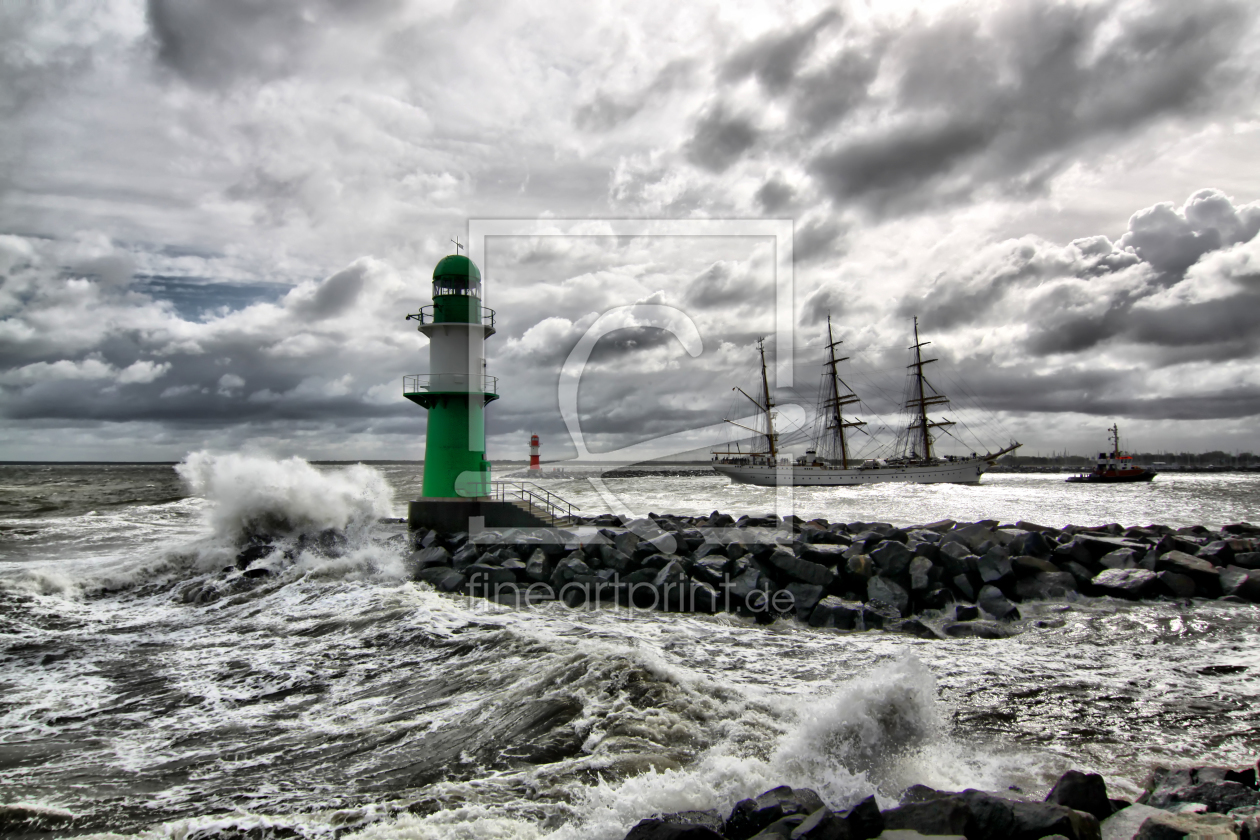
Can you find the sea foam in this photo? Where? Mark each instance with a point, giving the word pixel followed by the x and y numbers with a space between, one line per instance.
pixel 251 494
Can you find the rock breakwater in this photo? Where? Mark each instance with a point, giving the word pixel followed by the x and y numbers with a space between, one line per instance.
pixel 968 577
pixel 1222 803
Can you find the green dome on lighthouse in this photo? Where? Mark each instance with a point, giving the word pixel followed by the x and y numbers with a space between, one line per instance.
pixel 456 270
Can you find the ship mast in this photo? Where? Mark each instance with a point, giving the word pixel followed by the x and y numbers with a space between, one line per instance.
pixel 765 391
pixel 920 403
pixel 766 405
pixel 837 399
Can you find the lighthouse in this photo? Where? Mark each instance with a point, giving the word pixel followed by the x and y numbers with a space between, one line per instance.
pixel 533 453
pixel 456 390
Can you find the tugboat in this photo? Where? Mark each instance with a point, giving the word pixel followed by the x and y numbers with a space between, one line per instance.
pixel 1115 466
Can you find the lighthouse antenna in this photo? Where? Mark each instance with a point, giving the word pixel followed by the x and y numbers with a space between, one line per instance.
pixel 458 246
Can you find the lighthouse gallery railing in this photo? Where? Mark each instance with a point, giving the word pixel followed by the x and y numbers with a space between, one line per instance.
pixel 458 383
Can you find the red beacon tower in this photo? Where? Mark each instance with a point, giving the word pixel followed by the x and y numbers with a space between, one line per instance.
pixel 533 453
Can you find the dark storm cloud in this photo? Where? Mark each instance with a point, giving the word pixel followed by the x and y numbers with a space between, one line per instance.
pixel 817 238
pixel 214 44
pixel 334 295
pixel 1080 296
pixel 1180 288
pixel 773 58
pixel 935 110
pixel 720 138
pixel 726 285
pixel 774 194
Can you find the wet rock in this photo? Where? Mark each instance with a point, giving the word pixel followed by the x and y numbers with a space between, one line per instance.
pixel 970 535
pixel 936 598
pixel 1248 560
pixel 435 555
pixel 977 630
pixel 859 567
pixel 830 555
pixel 686 825
pixel 1174 585
pixel 962 583
pixel 993 568
pixel 1241 583
pixel 914 627
pixel 464 557
pixel 1218 553
pixel 1170 542
pixel 751 816
pixel 568 569
pixel 1206 577
pixel 1074 549
pixel 805 596
pixel 1082 792
pixel 946 814
pixel 920 574
pixel 966 612
pixel 1124 583
pixel 891 559
pixel 877 615
pixel 711 570
pixel 882 590
pixel 1121 558
pixel 1045 586
pixel 836 612
pixel 864 820
pixel 258 572
pixel 441 578
pixel 1142 822
pixel 800 570
pixel 539 567
pixel 993 602
pixel 1031 543
pixel 1220 789
pixel 1025 566
pixel 956 558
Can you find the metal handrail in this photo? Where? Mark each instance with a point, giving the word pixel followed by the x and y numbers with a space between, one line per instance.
pixel 425 316
pixel 533 495
pixel 459 383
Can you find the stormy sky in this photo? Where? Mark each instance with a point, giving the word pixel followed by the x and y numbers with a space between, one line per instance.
pixel 214 216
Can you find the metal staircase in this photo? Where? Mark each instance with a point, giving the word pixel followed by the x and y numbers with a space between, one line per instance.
pixel 539 502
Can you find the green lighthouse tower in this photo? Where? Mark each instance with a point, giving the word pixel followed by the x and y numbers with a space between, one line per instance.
pixel 456 390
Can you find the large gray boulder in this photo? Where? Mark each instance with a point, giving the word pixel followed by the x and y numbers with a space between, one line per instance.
pixel 992 601
pixel 1082 792
pixel 1206 577
pixel 891 558
pixel 982 816
pixel 882 590
pixel 1242 583
pixel 1124 583
pixel 798 569
pixel 751 816
pixel 836 612
pixel 805 596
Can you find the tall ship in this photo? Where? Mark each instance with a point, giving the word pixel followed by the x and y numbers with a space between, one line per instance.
pixel 830 461
pixel 1114 467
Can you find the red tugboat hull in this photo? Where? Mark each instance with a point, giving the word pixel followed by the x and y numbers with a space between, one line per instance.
pixel 1113 478
pixel 1115 467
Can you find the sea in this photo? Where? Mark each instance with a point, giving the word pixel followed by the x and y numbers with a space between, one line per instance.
pixel 338 698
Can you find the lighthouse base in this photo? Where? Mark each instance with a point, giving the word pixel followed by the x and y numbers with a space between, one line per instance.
pixel 454 515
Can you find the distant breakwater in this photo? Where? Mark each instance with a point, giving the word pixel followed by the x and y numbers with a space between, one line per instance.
pixel 941 579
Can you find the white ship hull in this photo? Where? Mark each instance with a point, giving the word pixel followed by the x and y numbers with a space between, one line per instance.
pixel 950 472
